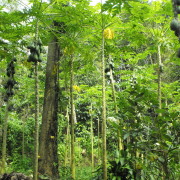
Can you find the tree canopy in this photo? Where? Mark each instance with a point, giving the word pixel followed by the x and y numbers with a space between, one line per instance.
pixel 111 74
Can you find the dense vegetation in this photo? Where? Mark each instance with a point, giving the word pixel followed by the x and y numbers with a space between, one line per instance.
pixel 98 85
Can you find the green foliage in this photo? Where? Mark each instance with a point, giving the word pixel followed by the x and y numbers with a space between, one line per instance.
pixel 121 168
pixel 65 173
pixel 81 173
pixel 115 6
pixel 150 141
pixel 20 164
pixel 84 173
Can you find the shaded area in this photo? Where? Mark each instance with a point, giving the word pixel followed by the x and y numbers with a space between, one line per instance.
pixel 14 176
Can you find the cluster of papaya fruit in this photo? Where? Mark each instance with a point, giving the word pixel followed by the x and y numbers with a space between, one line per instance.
pixel 10 71
pixel 175 23
pixel 35 52
pixel 175 26
pixel 109 68
pixel 177 6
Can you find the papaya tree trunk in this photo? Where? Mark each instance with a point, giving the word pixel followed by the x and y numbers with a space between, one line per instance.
pixel 72 119
pixel 4 144
pixel 165 155
pixel 159 79
pixel 104 157
pixel 67 138
pixel 36 135
pixel 92 139
pixel 113 87
pixel 23 139
pixel 119 135
pixel 99 144
pixel 48 156
pixel 23 133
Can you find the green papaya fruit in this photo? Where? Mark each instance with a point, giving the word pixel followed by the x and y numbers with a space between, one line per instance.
pixel 13 71
pixel 177 2
pixel 30 58
pixel 42 50
pixel 175 25
pixel 32 48
pixel 10 83
pixel 38 50
pixel 14 59
pixel 39 42
pixel 5 86
pixel 12 93
pixel 178 9
pixel 8 92
pixel 8 73
pixel 33 57
pixel 6 99
pixel 40 58
pixel 177 33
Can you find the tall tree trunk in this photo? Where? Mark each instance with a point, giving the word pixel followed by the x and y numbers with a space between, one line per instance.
pixel 72 119
pixel 23 138
pixel 92 139
pixel 165 156
pixel 23 133
pixel 48 160
pixel 36 135
pixel 67 138
pixel 159 78
pixel 4 144
pixel 104 159
pixel 119 135
pixel 113 87
pixel 99 144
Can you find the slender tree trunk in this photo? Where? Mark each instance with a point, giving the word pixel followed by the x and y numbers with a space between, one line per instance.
pixel 159 79
pixel 36 135
pixel 99 153
pixel 92 141
pixel 165 156
pixel 120 144
pixel 160 69
pixel 4 144
pixel 104 113
pixel 67 139
pixel 165 166
pixel 113 87
pixel 72 119
pixel 48 160
pixel 23 133
pixel 23 138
